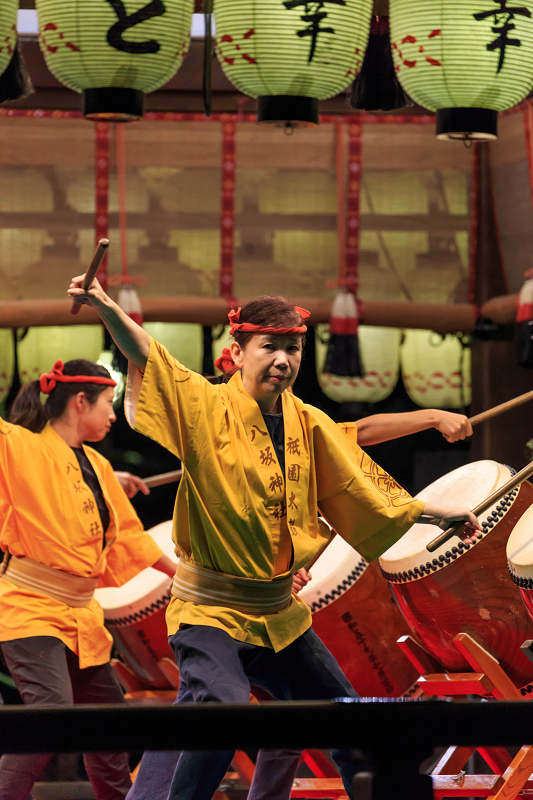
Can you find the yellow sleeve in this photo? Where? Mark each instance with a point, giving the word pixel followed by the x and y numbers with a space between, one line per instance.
pixel 133 549
pixel 14 441
pixel 362 502
pixel 165 402
pixel 350 429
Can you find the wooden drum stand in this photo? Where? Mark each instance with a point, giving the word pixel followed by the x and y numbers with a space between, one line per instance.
pixel 510 775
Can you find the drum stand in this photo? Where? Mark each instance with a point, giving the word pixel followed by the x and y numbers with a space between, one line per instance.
pixel 510 775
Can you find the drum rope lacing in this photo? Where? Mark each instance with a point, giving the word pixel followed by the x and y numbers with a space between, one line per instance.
pixel 522 583
pixel 450 555
pixel 140 615
pixel 329 597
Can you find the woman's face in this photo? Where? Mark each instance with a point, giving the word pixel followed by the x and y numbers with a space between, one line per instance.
pixel 269 364
pixel 97 418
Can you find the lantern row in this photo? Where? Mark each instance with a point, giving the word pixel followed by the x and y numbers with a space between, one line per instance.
pixel 464 59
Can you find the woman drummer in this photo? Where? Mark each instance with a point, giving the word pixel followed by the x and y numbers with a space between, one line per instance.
pixel 256 462
pixel 67 527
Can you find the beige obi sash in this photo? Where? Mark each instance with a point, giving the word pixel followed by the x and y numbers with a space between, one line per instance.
pixel 72 590
pixel 204 586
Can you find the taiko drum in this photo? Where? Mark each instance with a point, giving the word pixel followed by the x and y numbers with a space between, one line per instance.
pixel 356 616
pixel 135 616
pixel 520 557
pixel 463 588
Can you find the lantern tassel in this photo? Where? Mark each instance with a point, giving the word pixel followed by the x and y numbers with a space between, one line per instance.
pixel 15 81
pixel 343 356
pixel 377 88
pixel 208 56
pixel 524 323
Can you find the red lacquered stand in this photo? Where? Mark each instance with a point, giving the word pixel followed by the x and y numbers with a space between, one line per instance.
pixel 510 775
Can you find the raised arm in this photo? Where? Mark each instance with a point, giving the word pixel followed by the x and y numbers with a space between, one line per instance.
pixel 384 427
pixel 131 339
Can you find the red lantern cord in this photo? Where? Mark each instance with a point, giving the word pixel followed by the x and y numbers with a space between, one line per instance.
pixel 123 278
pixel 348 207
pixel 227 221
pixel 340 168
pixel 474 226
pixel 101 222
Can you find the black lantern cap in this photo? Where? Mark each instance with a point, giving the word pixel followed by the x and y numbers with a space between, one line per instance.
pixel 480 124
pixel 287 109
pixel 112 104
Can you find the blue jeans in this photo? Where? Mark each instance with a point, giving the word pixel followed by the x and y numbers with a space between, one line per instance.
pixel 216 668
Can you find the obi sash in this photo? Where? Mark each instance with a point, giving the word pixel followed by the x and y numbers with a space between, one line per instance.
pixel 203 586
pixel 71 590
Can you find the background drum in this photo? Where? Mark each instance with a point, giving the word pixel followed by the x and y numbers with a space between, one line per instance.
pixel 520 557
pixel 460 587
pixel 135 616
pixel 355 615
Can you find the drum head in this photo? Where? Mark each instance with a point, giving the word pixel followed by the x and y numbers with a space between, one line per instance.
pixel 335 571
pixel 520 548
pixel 146 588
pixel 465 487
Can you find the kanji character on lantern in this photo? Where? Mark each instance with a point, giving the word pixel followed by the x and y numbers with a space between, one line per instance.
pixel 502 25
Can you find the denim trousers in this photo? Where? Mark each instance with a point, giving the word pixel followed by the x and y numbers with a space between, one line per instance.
pixel 214 667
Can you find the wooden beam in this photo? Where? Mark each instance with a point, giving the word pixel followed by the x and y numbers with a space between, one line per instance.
pixel 180 220
pixel 441 318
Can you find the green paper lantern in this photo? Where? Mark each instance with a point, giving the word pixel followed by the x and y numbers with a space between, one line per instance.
pixel 7 362
pixel 114 51
pixel 42 347
pixel 464 59
pixel 291 53
pixel 183 340
pixel 8 31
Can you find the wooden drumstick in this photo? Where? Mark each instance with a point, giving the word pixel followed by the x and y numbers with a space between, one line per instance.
pixel 164 477
pixel 92 270
pixel 507 406
pixel 454 529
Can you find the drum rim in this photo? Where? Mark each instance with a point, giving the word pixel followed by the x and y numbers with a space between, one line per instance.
pixel 141 614
pixel 456 551
pixel 521 574
pixel 334 594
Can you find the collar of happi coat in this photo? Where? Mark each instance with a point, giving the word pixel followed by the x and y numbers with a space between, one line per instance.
pixel 285 497
pixel 74 476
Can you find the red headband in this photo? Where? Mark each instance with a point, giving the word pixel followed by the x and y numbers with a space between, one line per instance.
pixel 48 380
pixel 225 362
pixel 247 327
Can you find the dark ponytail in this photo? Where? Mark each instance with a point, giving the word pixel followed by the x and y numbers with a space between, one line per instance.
pixel 27 409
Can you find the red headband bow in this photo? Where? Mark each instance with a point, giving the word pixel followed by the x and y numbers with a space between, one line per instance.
pixel 225 362
pixel 247 327
pixel 49 380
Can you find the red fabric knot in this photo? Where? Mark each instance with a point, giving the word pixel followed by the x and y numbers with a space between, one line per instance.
pixel 225 362
pixel 49 380
pixel 248 327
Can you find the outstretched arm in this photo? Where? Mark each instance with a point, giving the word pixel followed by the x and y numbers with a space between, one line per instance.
pixel 384 427
pixel 129 337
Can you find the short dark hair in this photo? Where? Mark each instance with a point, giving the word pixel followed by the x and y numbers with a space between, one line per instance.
pixel 272 311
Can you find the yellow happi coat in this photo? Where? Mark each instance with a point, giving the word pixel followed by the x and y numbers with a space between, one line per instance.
pixel 236 513
pixel 49 514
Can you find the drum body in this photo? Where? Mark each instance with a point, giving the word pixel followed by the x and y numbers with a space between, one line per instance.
pixel 520 557
pixel 135 616
pixel 465 588
pixel 356 616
